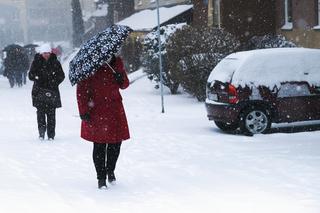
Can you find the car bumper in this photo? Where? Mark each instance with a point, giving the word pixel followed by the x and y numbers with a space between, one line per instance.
pixel 222 112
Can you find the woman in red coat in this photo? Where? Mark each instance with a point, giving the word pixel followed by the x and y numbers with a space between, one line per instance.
pixel 103 117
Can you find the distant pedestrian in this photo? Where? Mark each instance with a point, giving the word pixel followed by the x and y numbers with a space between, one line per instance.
pixel 57 51
pixel 47 74
pixel 16 63
pixel 103 117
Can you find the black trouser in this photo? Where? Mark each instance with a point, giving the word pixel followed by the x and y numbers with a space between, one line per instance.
pixel 11 80
pixel 100 151
pixel 18 78
pixel 24 77
pixel 46 118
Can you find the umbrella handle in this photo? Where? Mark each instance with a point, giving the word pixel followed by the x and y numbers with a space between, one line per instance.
pixel 111 67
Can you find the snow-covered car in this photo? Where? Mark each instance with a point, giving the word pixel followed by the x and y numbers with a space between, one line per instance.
pixel 252 89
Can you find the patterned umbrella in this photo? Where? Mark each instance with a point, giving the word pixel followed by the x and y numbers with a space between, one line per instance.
pixel 97 51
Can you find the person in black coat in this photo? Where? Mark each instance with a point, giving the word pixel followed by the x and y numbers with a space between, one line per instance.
pixel 16 63
pixel 46 72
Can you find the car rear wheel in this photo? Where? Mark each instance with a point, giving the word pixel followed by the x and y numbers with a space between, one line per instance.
pixel 255 120
pixel 226 126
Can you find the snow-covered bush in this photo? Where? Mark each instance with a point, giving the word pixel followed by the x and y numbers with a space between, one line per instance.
pixel 151 57
pixel 131 52
pixel 269 41
pixel 194 52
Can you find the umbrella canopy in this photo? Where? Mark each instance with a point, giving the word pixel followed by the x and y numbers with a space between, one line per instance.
pixel 12 47
pixel 31 46
pixel 97 51
pixel 14 51
pixel 16 58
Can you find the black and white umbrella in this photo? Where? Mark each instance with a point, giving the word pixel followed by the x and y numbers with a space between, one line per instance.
pixel 13 48
pixel 97 51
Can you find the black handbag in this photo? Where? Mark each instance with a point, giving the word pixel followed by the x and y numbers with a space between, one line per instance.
pixel 46 96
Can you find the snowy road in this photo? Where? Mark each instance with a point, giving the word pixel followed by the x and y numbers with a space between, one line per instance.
pixel 174 162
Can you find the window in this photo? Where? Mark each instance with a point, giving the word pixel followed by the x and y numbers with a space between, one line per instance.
pixel 287 15
pixel 317 14
pixel 293 90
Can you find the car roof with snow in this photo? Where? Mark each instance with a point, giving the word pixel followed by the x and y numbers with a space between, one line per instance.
pixel 269 67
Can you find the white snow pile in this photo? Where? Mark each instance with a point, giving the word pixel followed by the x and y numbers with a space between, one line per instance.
pixel 146 20
pixel 269 67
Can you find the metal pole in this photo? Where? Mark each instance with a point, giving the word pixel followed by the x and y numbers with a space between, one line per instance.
pixel 219 14
pixel 160 58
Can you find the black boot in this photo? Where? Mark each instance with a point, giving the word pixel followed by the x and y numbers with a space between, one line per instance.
pixel 111 178
pixel 102 184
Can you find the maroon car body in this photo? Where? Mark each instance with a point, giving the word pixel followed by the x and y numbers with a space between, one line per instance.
pixel 253 89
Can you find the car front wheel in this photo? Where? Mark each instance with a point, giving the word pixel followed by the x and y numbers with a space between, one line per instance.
pixel 255 120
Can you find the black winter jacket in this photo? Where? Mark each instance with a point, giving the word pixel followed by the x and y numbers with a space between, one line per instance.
pixel 48 75
pixel 16 62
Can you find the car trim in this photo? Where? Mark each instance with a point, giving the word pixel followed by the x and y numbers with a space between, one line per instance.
pixel 216 103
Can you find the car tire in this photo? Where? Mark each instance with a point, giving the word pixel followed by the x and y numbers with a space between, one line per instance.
pixel 227 127
pixel 255 120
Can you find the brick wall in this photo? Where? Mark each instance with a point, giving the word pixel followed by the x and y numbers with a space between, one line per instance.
pixel 248 18
pixel 200 13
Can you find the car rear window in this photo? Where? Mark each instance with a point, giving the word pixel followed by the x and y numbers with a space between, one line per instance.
pixel 224 70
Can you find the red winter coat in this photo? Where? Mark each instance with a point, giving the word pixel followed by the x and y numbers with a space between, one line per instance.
pixel 99 96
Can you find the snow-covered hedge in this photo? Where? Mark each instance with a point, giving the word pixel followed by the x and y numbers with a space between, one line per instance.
pixel 194 52
pixel 151 57
pixel 269 41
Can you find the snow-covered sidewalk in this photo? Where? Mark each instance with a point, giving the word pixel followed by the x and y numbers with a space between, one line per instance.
pixel 174 162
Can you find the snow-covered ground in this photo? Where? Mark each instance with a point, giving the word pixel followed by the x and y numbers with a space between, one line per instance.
pixel 175 162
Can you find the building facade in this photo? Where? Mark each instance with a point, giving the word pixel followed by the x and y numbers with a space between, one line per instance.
pixel 200 13
pixel 299 21
pixel 49 20
pixel 24 21
pixel 88 6
pixel 120 9
pixel 246 19
pixel 243 19
pixel 151 4
pixel 13 24
pixel 105 13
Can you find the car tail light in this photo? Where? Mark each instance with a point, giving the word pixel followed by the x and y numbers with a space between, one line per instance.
pixel 232 94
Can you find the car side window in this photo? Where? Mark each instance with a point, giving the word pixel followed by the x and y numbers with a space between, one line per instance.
pixel 293 90
pixel 316 90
